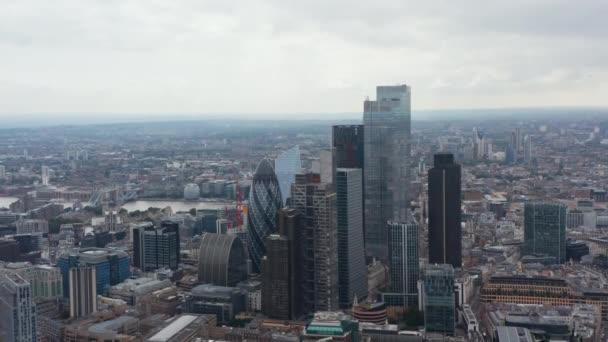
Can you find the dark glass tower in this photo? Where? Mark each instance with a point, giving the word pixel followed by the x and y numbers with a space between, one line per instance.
pixel 264 202
pixel 348 142
pixel 439 303
pixel 545 230
pixel 352 271
pixel 156 247
pixel 445 236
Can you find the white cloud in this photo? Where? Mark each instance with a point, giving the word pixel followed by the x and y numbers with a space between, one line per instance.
pixel 297 56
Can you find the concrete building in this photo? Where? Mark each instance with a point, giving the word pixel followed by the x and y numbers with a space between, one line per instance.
pixel 45 281
pixel 17 309
pixel 319 267
pixel 223 302
pixel 83 292
pixel 387 158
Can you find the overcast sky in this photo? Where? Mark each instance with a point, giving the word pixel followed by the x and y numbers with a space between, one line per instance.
pixel 284 56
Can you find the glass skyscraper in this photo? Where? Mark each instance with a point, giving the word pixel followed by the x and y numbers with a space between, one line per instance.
pixel 156 247
pixel 17 309
pixel 545 230
pixel 352 270
pixel 404 265
pixel 387 156
pixel 349 144
pixel 286 166
pixel 445 236
pixel 264 202
pixel 438 299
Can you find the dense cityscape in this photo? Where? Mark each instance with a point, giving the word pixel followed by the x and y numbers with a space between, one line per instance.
pixel 378 229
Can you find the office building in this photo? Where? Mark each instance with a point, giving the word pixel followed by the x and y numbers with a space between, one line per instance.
pixel 276 278
pixel 222 260
pixel 156 247
pixel 352 270
pixel 545 230
pixel 331 326
pixel 318 255
pixel 386 170
pixel 281 268
pixel 2 172
pixel 9 250
pixel 17 310
pixel 111 266
pixel 528 149
pixel 46 175
pixel 111 220
pixel 349 144
pixel 45 281
pixel 29 226
pixel 444 215
pixel 83 292
pixel 286 166
pixel 404 265
pixel 223 302
pixel 264 202
pixel 438 298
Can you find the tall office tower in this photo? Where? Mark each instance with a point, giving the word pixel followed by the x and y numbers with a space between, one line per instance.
pixel 545 230
pixel 264 202
pixel 445 236
pixel 83 292
pixel 111 266
pixel 2 172
pixel 386 170
pixel 480 144
pixel 510 156
pixel 281 268
pixel 518 145
pixel 276 278
pixel 46 175
pixel 317 203
pixel 352 270
pixel 222 260
pixel 286 166
pixel 404 265
pixel 156 247
pixel 17 310
pixel 110 220
pixel 528 149
pixel 348 142
pixel 438 298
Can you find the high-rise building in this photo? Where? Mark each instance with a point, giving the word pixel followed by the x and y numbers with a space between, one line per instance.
pixel 444 227
pixel 438 298
pixel 479 144
pixel 222 260
pixel 386 171
pixel 545 230
pixel 404 265
pixel 286 166
pixel 45 280
pixel 111 266
pixel 17 310
pixel 528 149
pixel 46 175
pixel 352 270
pixel 2 172
pixel 264 202
pixel 83 292
pixel 156 247
pixel 317 203
pixel 110 220
pixel 349 144
pixel 281 276
pixel 276 278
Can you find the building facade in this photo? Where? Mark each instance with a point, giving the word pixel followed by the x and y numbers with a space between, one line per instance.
pixel 276 291
pixel 156 247
pixel 222 260
pixel 264 202
pixel 349 144
pixel 386 171
pixel 111 266
pixel 439 302
pixel 444 196
pixel 352 270
pixel 286 166
pixel 319 253
pixel 17 310
pixel 545 230
pixel 404 265
pixel 83 292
